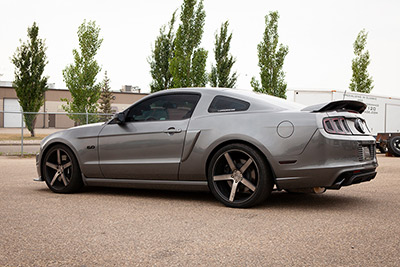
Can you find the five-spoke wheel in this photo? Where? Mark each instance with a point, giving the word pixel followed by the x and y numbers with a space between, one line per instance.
pixel 238 176
pixel 61 170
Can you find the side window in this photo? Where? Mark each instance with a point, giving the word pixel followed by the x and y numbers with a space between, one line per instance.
pixel 165 107
pixel 227 104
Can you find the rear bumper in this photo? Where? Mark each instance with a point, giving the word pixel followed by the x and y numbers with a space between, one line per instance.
pixel 350 178
pixel 330 178
pixel 330 161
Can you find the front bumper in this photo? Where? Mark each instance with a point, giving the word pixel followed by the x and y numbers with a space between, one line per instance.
pixel 39 178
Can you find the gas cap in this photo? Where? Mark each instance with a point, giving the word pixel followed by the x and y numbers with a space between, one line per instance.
pixel 285 129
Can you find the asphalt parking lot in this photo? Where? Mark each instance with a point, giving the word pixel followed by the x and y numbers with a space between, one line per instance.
pixel 355 226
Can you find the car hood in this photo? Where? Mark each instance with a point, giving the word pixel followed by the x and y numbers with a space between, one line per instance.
pixel 87 130
pixel 78 132
pixel 86 126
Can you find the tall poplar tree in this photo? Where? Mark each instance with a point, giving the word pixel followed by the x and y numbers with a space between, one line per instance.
pixel 30 60
pixel 220 75
pixel 161 56
pixel 188 66
pixel 361 81
pixel 106 97
pixel 80 77
pixel 270 60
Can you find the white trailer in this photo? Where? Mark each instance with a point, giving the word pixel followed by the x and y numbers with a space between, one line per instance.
pixel 382 114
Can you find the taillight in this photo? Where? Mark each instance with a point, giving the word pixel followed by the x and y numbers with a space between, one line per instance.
pixel 336 125
pixel 359 124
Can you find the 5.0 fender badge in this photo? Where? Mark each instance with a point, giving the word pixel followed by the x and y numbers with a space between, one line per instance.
pixel 90 147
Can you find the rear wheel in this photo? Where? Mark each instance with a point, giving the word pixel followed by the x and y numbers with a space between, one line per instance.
pixel 61 170
pixel 239 177
pixel 394 146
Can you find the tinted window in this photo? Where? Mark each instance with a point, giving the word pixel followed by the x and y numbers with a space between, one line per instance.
pixel 162 108
pixel 227 104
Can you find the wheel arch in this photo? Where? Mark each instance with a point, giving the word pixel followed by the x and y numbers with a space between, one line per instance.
pixel 49 146
pixel 240 141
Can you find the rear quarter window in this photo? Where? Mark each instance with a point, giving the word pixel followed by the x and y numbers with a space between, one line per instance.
pixel 227 104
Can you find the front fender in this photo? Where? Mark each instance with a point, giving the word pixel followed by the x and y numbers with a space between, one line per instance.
pixel 83 141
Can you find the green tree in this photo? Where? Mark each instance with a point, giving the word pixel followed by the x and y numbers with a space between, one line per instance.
pixel 220 75
pixel 161 55
pixel 188 66
pixel 30 60
pixel 270 60
pixel 361 81
pixel 80 77
pixel 106 97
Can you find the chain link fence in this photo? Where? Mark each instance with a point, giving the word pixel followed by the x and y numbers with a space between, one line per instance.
pixel 44 120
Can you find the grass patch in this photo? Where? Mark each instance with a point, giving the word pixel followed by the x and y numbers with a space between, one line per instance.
pixel 13 136
pixel 18 154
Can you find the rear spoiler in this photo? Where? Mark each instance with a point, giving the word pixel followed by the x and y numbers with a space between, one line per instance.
pixel 341 105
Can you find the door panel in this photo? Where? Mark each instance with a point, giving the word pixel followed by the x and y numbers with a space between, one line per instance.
pixel 142 150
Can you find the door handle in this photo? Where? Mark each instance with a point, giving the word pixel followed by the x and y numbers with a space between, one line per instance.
pixel 172 130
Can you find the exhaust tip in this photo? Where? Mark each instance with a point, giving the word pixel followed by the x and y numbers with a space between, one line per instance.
pixel 319 190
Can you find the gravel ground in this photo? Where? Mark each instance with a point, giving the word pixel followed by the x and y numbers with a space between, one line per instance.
pixel 355 226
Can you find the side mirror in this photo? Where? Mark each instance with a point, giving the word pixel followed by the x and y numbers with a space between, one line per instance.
pixel 119 118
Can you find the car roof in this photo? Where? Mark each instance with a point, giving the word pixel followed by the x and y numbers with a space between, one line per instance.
pixel 262 100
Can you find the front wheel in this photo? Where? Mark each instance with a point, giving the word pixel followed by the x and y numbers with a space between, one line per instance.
pixel 239 177
pixel 61 171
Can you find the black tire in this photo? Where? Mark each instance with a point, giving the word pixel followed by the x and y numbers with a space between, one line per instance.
pixel 239 177
pixel 394 146
pixel 60 170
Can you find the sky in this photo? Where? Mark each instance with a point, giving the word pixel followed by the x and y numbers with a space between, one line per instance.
pixel 319 34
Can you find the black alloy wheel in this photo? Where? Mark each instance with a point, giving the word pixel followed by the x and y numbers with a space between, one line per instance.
pixel 394 146
pixel 61 171
pixel 239 177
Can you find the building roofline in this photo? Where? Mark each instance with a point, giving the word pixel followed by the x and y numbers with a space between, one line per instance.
pixel 54 89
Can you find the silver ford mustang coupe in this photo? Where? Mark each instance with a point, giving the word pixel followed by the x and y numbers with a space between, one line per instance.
pixel 239 144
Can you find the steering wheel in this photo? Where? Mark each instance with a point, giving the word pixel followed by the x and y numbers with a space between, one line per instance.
pixel 150 118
